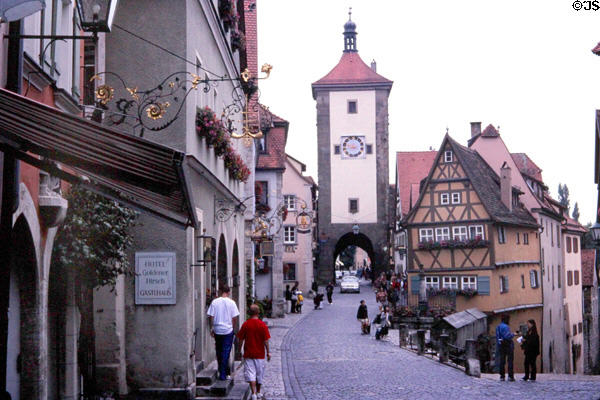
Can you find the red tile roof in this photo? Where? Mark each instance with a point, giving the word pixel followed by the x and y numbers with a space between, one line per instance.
pixel 572 225
pixel 412 167
pixel 527 166
pixel 596 50
pixel 490 131
pixel 275 138
pixel 587 266
pixel 351 69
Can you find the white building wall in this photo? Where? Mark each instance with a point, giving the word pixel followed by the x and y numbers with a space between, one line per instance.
pixel 353 178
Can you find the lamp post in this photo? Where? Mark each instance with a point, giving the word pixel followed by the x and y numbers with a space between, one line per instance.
pixel 355 229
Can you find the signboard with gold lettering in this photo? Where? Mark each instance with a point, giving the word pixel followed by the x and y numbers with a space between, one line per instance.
pixel 155 278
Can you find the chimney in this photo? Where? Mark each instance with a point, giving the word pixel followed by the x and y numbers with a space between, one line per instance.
pixel 506 186
pixel 475 129
pixel 374 66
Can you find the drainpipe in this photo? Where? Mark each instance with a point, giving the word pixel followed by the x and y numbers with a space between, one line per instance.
pixel 10 199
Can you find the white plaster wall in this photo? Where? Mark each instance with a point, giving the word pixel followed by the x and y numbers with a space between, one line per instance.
pixel 574 299
pixel 353 178
pixel 264 286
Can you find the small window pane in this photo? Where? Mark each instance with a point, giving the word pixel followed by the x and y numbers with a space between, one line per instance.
pixel 568 244
pixel 444 198
pixel 575 245
pixel 353 206
pixel 425 235
pixel 352 107
pixel 456 198
pixel 448 156
pixel 336 149
pixel 576 277
pixel 459 233
pixel 450 282
pixel 476 231
pixel 369 149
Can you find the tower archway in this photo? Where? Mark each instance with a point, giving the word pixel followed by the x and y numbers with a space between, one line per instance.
pixel 350 240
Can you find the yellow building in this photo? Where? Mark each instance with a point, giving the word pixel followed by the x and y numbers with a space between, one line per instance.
pixel 471 237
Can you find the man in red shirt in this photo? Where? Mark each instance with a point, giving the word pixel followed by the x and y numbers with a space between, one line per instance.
pixel 255 336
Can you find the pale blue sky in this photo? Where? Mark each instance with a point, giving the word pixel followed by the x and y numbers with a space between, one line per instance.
pixel 524 66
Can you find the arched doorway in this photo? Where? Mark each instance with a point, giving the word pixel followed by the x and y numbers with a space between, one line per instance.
pixel 235 273
pixel 24 353
pixel 345 252
pixel 222 262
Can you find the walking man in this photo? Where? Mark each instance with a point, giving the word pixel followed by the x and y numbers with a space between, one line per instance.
pixel 362 315
pixel 506 348
pixel 255 338
pixel 222 317
pixel 329 290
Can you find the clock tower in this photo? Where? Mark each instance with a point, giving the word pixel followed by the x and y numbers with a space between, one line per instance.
pixel 352 138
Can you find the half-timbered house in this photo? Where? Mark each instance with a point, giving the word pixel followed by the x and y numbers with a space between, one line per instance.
pixel 472 241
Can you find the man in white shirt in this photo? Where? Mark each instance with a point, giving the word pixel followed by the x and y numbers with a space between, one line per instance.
pixel 222 317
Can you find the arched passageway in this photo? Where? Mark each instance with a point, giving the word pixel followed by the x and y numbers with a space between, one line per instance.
pixel 347 242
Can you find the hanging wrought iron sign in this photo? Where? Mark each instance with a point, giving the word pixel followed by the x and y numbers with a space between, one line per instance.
pixel 304 219
pixel 266 227
pixel 157 108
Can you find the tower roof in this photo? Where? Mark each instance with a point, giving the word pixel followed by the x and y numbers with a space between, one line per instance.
pixel 351 72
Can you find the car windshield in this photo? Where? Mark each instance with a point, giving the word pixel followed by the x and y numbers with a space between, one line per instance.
pixel 349 279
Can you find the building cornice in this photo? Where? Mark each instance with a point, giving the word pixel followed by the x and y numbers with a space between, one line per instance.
pixel 516 262
pixel 520 307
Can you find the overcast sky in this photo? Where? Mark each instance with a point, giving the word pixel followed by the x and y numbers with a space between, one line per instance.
pixel 525 66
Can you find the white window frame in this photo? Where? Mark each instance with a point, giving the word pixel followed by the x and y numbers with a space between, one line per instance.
pixel 503 286
pixel 456 197
pixel 476 230
pixel 501 235
pixel 426 235
pixel 432 282
pixel 534 279
pixel 450 282
pixel 290 205
pixel 444 198
pixel 460 233
pixel 289 234
pixel 448 156
pixel 469 282
pixel 442 233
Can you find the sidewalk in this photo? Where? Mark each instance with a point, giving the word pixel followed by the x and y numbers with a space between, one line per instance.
pixel 273 385
pixel 549 377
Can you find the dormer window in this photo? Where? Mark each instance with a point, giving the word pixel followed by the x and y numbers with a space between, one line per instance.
pixel 448 156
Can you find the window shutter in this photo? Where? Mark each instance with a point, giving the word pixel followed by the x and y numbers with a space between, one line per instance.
pixel 414 284
pixel 505 283
pixel 483 285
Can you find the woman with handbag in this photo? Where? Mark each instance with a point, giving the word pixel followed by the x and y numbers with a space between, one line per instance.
pixel 531 347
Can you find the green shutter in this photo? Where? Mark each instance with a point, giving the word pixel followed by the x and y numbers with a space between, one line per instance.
pixel 414 284
pixel 483 285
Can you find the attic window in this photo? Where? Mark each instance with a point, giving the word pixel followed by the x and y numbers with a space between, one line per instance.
pixel 448 156
pixel 515 200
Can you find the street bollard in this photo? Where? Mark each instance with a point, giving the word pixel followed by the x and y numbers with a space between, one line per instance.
pixel 444 347
pixel 402 332
pixel 420 341
pixel 471 361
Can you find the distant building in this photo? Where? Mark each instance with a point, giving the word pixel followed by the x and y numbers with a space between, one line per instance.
pixel 557 330
pixel 474 241
pixel 299 194
pixel 591 313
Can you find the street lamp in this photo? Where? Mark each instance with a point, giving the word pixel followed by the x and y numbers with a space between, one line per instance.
pixel 205 250
pixel 96 15
pixel 355 229
pixel 595 229
pixel 13 10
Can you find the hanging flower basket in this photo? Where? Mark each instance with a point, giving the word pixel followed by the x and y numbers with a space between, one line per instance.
pixel 212 130
pixel 477 242
pixel 228 14
pixel 238 40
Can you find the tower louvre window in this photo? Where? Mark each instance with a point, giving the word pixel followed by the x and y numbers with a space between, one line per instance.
pixel 336 149
pixel 353 206
pixel 352 107
pixel 369 149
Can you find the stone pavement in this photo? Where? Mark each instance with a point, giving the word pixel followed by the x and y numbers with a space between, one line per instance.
pixel 322 355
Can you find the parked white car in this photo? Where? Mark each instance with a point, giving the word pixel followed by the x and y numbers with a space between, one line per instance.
pixel 349 284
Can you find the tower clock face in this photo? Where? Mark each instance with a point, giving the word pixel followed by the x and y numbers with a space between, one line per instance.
pixel 353 146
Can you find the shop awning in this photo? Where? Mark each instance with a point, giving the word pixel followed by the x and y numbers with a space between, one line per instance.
pixel 143 174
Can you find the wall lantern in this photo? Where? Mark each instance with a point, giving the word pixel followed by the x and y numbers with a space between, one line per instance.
pixel 206 247
pixel 96 15
pixel 355 229
pixel 13 10
pixel 595 229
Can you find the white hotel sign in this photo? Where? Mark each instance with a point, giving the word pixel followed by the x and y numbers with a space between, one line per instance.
pixel 155 278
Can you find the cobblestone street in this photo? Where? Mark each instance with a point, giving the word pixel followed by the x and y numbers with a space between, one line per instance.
pixel 322 355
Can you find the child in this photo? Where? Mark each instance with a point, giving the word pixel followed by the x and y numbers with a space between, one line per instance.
pixel 299 302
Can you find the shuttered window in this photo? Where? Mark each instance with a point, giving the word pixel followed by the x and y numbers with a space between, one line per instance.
pixel 483 285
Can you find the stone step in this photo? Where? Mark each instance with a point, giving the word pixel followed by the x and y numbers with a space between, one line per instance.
pixel 216 389
pixel 206 377
pixel 239 391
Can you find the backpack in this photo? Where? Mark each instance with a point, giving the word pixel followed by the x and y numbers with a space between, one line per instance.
pixel 300 298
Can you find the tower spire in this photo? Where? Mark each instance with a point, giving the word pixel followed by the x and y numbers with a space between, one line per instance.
pixel 350 34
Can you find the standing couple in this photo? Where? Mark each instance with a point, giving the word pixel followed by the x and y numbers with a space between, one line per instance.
pixel 530 343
